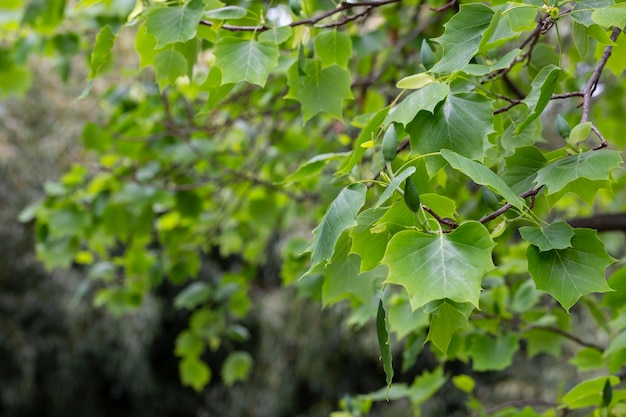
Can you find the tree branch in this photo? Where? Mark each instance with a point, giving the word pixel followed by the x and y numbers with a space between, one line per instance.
pixel 573 338
pixel 344 6
pixel 601 222
pixel 506 207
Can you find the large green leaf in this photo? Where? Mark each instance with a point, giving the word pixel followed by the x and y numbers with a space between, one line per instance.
pixel 482 175
pixel 340 215
pixel 445 321
pixel 460 124
pixel 592 165
pixel 612 16
pixel 448 265
pixel 174 24
pixel 583 10
pixel 245 60
pixel 553 236
pixel 568 274
pixel 588 393
pixel 462 37
pixel 333 48
pixel 168 66
pixel 319 89
pixel 425 98
pixel 543 86
pixel 522 168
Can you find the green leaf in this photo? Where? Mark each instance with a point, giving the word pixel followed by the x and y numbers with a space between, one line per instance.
pixel 581 40
pixel 226 12
pixel 168 66
pixel 553 236
pixel 276 35
pixel 368 133
pixel 462 37
pixel 445 321
pixel 583 10
pixel 193 295
pixel 493 353
pixel 194 373
pixel 587 393
pixel 402 320
pixel 442 205
pixel 610 16
pixel 340 215
pixel 543 86
pixel 522 168
pixel 245 60
pixel 101 55
pixel 319 89
pixel 460 124
pixel 588 359
pixel 525 297
pixel 415 81
pixel 579 133
pixel 174 24
pixel 382 332
pixel 188 343
pixel 425 98
pixel 449 265
pixel 570 273
pixel 393 185
pixel 592 165
pixel 427 56
pixel 502 63
pixel 313 167
pixel 369 246
pixel 482 175
pixel 236 367
pixel 333 47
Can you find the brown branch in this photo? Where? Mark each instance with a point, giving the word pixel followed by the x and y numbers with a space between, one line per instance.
pixel 447 222
pixel 590 87
pixel 506 207
pixel 344 6
pixel 448 5
pixel 601 222
pixel 561 332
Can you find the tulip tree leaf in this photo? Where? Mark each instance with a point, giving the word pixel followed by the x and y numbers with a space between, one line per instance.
pixel 568 274
pixel 543 86
pixel 245 60
pixel 445 321
pixel 553 236
pixel 460 124
pixel 340 215
pixel 462 37
pixel 175 24
pixel 369 246
pixel 482 175
pixel 592 165
pixel 319 89
pixel 423 99
pixel 493 353
pixel 333 48
pixel 611 16
pixel 433 267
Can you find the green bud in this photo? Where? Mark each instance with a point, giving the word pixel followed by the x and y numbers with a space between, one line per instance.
pixel 426 55
pixel 412 196
pixel 562 127
pixel 390 143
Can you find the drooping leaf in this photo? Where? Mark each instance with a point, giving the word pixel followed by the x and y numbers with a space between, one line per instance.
pixel 101 55
pixel 592 165
pixel 423 99
pixel 434 267
pixel 319 89
pixel 462 37
pixel 553 236
pixel 493 353
pixel 175 23
pixel 382 325
pixel 333 47
pixel 245 60
pixel 482 175
pixel 568 274
pixel 461 123
pixel 445 321
pixel 340 215
pixel 394 184
pixel 168 66
pixel 543 86
pixel 369 246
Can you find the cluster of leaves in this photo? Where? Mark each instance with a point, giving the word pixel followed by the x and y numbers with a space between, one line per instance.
pixel 444 220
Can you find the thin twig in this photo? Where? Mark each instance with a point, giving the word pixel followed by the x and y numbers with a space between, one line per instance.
pixel 595 77
pixel 447 222
pixel 448 5
pixel 311 20
pixel 506 207
pixel 573 338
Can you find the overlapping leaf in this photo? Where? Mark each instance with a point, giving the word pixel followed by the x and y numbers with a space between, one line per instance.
pixel 553 236
pixel 176 23
pixel 593 165
pixel 445 321
pixel 425 98
pixel 434 267
pixel 245 60
pixel 460 124
pixel 570 273
pixel 543 86
pixel 333 48
pixel 462 37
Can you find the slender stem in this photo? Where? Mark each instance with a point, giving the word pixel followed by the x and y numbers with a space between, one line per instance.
pixel 573 338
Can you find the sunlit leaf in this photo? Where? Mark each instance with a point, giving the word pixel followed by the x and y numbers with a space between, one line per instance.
pixel 245 60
